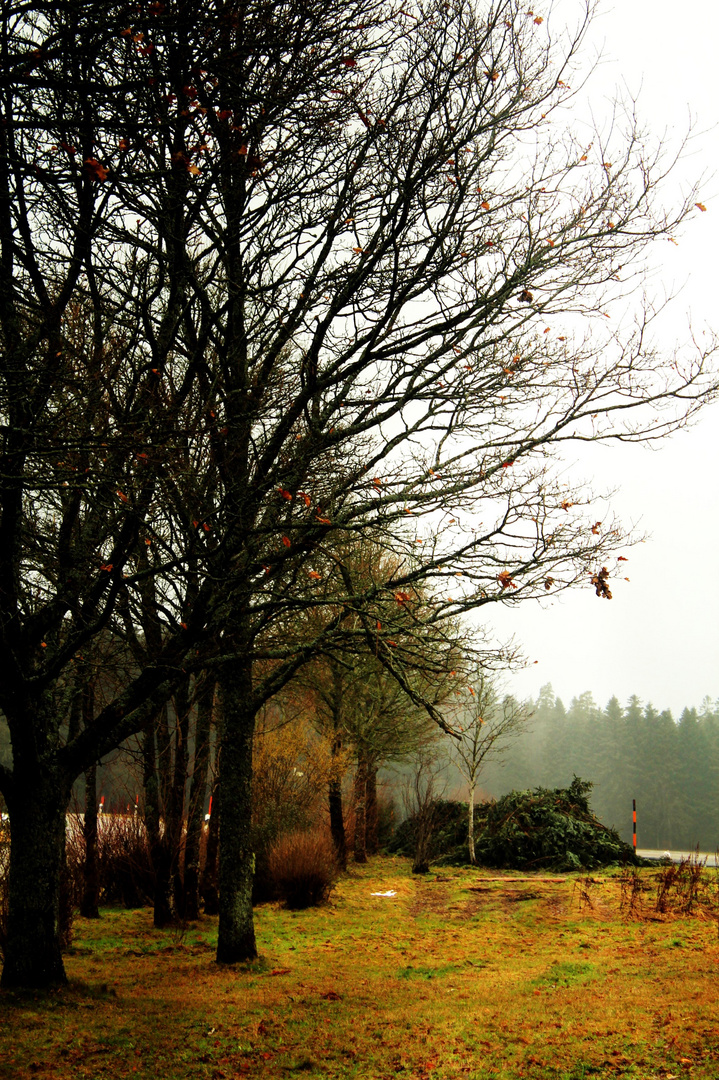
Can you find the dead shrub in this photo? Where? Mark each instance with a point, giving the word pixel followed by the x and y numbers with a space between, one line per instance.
pixel 292 767
pixel 631 889
pixel 583 890
pixel 303 868
pixel 679 886
pixel 125 864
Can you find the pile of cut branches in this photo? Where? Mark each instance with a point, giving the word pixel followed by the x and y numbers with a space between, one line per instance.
pixel 547 829
pixel 543 829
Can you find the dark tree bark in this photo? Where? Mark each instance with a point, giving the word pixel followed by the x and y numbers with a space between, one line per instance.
pixel 371 812
pixel 33 950
pixel 337 822
pixel 198 793
pixel 175 814
pixel 360 792
pixel 164 912
pixel 91 871
pixel 210 872
pixel 236 937
pixel 89 908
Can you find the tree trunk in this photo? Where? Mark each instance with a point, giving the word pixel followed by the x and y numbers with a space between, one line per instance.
pixel 360 839
pixel 164 913
pixel 236 936
pixel 208 885
pixel 198 792
pixel 470 827
pixel 372 823
pixel 337 821
pixel 33 955
pixel 91 870
pixel 91 879
pixel 175 817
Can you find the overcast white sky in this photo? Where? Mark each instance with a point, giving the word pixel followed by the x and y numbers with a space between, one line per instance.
pixel 659 636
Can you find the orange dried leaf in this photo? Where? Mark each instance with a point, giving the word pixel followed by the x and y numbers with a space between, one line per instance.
pixel 505 580
pixel 701 206
pixel 95 170
pixel 286 541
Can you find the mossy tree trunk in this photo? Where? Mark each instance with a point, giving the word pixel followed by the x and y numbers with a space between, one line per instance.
pixel 36 802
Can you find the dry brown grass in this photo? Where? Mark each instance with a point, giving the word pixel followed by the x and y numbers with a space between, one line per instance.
pixel 440 982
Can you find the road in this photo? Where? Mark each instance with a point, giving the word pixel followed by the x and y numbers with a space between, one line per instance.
pixel 677 856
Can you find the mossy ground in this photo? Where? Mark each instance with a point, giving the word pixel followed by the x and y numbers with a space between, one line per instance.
pixel 456 976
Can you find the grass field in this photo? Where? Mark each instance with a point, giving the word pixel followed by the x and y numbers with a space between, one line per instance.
pixel 458 975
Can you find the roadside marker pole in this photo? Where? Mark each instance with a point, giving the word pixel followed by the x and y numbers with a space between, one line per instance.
pixel 634 825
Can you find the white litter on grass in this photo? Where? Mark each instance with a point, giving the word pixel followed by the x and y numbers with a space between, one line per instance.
pixel 390 892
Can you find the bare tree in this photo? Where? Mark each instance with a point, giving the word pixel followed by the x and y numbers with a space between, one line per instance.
pixel 485 726
pixel 422 794
pixel 378 713
pixel 272 274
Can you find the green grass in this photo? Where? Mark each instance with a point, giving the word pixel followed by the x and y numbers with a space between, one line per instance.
pixel 442 982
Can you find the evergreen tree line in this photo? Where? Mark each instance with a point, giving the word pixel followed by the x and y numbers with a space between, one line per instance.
pixel 633 752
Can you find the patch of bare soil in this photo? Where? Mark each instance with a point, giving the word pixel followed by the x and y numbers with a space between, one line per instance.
pixel 431 898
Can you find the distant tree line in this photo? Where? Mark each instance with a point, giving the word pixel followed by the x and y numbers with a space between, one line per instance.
pixel 629 752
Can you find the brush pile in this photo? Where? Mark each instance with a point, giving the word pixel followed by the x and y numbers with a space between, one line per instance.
pixel 543 829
